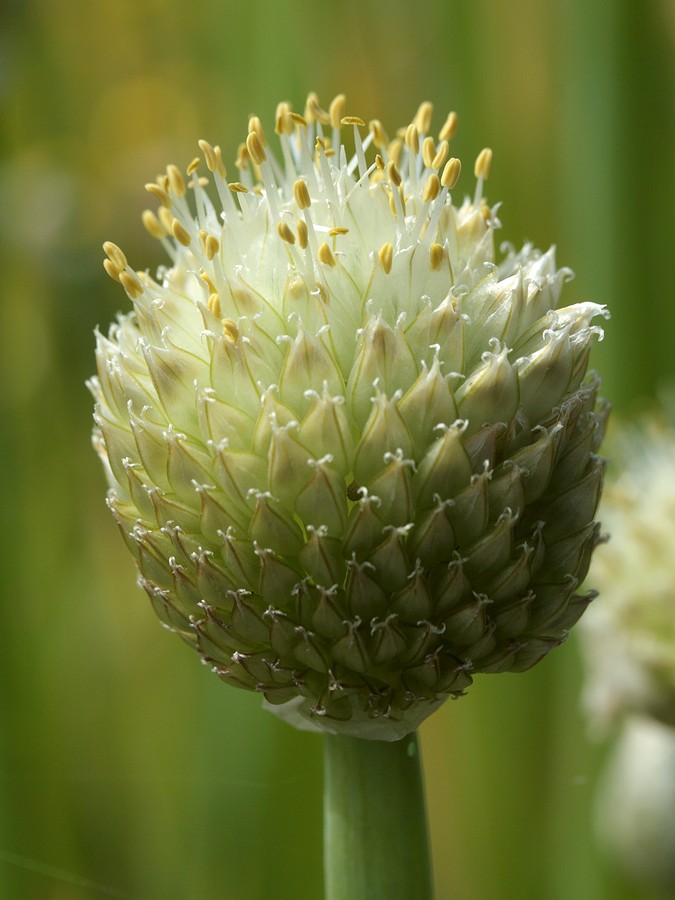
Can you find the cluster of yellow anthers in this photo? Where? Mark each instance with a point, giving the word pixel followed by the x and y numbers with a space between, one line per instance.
pixel 352 451
pixel 413 169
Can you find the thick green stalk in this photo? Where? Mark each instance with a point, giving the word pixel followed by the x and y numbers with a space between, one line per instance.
pixel 376 843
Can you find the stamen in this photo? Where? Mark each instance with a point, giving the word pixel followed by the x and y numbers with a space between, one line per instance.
pixel 325 255
pixel 176 181
pixel 158 193
pixel 429 152
pixel 449 128
pixel 436 256
pixel 285 233
pixel 386 256
pixel 380 138
pixel 451 172
pixel 179 232
pixel 422 118
pixel 481 171
pixel 111 269
pixel 115 254
pixel 358 144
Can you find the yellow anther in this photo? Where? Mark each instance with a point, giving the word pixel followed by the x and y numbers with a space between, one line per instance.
pixel 423 117
pixel 111 269
pixel 194 165
pixel 431 188
pixel 386 255
pixel 255 125
pixel 441 155
pixel 255 148
pixel 163 182
pixel 336 110
pixel 113 252
pixel 325 255
pixel 393 173
pixel 380 138
pixel 211 246
pixel 379 162
pixel 152 224
pixel 176 180
pixel 180 233
pixel 237 187
pixel 242 160
pixel 449 128
pixel 481 168
pixel 165 218
pixel 352 120
pixel 334 232
pixel 131 284
pixel 313 110
pixel 207 281
pixel 436 256
pixel 283 123
pixel 209 155
pixel 213 304
pixel 451 173
pixel 395 150
pixel 428 151
pixel 285 233
pixel 220 165
pixel 301 194
pixel 412 138
pixel 158 193
pixel 230 330
pixel 303 234
pixel 298 119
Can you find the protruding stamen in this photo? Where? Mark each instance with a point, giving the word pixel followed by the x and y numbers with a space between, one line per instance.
pixel 176 181
pixel 451 172
pixel 193 166
pixel 255 148
pixel 325 255
pixel 386 256
pixel 285 233
pixel 483 163
pixel 179 232
pixel 255 127
pixel 211 246
pixel 431 188
pixel 336 110
pixel 481 171
pixel 412 139
pixel 422 118
pixel 301 194
pixel 237 187
pixel 393 173
pixel 115 254
pixel 111 269
pixel 303 235
pixel 358 144
pixel 428 152
pixel 152 225
pixel 158 193
pixel 380 138
pixel 449 128
pixel 213 304
pixel 441 155
pixel 283 123
pixel 131 284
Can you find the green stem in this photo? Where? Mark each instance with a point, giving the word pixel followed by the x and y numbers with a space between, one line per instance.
pixel 376 843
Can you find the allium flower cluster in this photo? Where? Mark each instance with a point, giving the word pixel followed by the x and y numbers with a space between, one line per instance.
pixel 352 450
pixel 630 634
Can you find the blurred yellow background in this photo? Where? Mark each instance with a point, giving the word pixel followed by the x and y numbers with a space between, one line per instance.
pixel 126 769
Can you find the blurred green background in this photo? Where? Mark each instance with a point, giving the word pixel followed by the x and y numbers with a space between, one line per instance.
pixel 126 769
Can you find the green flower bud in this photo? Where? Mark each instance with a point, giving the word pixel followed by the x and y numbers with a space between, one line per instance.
pixel 352 450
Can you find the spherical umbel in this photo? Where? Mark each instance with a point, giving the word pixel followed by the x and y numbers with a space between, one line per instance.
pixel 352 451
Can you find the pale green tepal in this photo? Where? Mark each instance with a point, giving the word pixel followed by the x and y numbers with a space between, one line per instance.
pixel 352 449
